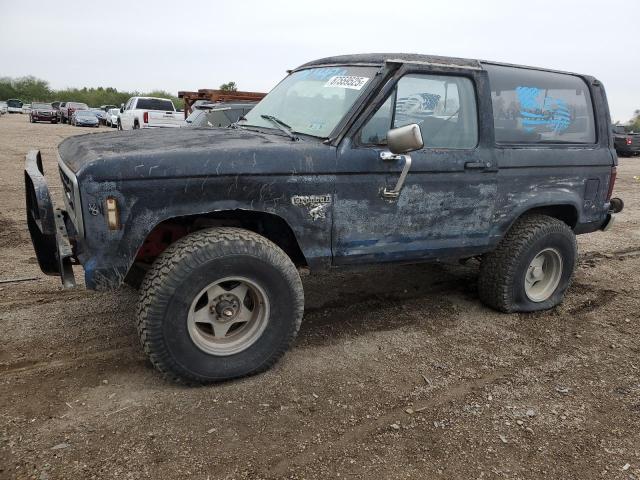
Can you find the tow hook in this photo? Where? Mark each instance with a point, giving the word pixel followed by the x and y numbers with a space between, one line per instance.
pixel 616 205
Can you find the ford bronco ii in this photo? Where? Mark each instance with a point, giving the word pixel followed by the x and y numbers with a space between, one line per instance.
pixel 350 160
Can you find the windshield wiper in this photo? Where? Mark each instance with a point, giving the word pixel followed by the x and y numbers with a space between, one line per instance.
pixel 282 126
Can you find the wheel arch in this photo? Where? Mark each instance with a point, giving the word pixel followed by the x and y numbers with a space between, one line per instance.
pixel 269 225
pixel 564 211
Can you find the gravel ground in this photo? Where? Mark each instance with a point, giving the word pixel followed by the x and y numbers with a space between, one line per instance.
pixel 398 372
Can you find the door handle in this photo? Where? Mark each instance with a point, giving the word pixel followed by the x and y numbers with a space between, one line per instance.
pixel 395 192
pixel 477 165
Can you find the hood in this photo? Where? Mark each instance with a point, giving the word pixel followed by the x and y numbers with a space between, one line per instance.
pixel 188 152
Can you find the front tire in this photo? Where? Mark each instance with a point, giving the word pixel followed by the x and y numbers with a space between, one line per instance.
pixel 218 304
pixel 532 267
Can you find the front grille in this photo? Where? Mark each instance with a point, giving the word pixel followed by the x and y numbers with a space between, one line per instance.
pixel 67 185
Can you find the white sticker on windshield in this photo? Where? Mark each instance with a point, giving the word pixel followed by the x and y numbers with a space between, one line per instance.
pixel 354 83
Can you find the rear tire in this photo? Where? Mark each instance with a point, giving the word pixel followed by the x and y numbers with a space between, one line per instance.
pixel 532 267
pixel 189 283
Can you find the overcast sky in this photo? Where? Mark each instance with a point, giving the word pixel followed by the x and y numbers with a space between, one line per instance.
pixel 192 44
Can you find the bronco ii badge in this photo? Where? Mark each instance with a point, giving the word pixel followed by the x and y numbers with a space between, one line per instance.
pixel 310 200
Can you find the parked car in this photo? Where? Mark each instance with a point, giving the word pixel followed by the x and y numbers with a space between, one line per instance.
pixel 217 114
pixel 350 160
pixel 84 118
pixel 56 107
pixel 626 143
pixel 105 108
pixel 111 119
pixel 148 112
pixel 66 110
pixel 14 105
pixel 42 112
pixel 26 108
pixel 99 113
pixel 3 107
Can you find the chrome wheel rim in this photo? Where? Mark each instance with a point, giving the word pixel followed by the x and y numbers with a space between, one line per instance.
pixel 228 316
pixel 543 275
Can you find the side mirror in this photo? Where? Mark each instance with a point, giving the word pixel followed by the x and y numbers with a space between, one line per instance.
pixel 401 141
pixel 405 139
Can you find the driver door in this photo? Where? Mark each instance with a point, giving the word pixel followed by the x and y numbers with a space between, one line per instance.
pixel 446 204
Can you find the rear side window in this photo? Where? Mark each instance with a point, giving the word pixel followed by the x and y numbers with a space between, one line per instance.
pixel 154 104
pixel 531 106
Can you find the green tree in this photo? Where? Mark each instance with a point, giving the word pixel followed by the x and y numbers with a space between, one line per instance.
pixel 229 87
pixel 25 88
pixel 6 89
pixel 634 125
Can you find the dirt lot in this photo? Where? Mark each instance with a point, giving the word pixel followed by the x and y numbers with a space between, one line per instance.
pixel 398 372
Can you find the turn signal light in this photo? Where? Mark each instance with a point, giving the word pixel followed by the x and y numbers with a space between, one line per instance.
pixel 113 215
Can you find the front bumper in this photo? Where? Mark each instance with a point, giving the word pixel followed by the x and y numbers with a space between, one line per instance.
pixel 47 225
pixel 42 117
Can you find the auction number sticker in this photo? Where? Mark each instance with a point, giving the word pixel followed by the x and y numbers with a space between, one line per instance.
pixel 354 83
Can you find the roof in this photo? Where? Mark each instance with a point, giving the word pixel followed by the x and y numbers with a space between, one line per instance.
pixel 380 58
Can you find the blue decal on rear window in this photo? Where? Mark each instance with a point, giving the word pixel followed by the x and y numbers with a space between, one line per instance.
pixel 539 110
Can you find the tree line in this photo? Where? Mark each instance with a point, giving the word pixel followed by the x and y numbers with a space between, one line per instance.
pixel 634 125
pixel 31 89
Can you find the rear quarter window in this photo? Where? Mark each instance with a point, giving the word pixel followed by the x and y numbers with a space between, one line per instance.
pixel 533 107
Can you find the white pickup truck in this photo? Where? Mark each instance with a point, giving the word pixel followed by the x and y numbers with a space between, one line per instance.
pixel 148 112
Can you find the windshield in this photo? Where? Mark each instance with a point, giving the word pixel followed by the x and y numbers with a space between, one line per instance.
pixel 77 105
pixel 85 113
pixel 43 106
pixel 312 101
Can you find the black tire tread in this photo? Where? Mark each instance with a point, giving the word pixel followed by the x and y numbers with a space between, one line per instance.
pixel 498 268
pixel 166 272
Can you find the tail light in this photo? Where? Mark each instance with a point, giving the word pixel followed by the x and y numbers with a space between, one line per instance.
pixel 628 141
pixel 145 117
pixel 612 181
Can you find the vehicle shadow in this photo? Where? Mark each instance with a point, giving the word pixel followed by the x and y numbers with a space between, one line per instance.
pixel 354 303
